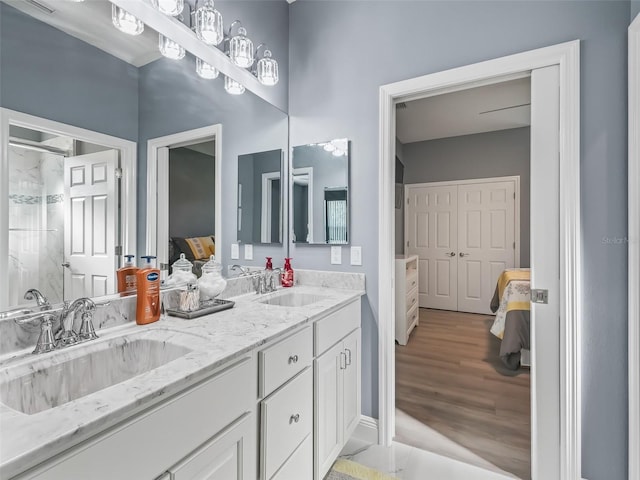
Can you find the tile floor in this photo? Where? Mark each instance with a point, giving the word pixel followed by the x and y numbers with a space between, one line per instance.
pixel 410 463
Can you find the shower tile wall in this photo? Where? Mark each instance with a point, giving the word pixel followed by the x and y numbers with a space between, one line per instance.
pixel 36 222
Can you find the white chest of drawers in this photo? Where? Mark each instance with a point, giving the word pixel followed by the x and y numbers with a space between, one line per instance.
pixel 406 296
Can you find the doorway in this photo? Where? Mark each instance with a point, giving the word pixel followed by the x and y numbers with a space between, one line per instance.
pixel 555 256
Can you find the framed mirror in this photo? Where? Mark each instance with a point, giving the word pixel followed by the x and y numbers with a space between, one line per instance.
pixel 320 193
pixel 260 197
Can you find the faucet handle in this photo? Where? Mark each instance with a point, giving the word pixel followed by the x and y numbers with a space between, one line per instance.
pixel 87 332
pixel 46 342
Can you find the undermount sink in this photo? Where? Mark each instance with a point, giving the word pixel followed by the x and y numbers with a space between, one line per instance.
pixel 96 367
pixel 293 299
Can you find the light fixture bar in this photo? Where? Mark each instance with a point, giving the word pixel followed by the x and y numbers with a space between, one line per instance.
pixel 181 34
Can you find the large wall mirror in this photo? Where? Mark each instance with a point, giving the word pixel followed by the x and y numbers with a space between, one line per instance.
pixel 107 94
pixel 320 193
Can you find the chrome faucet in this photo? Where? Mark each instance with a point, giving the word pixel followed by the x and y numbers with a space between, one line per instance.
pixel 65 336
pixel 243 270
pixel 35 294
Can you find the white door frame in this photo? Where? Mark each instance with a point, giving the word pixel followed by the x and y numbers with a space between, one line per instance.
pixel 158 186
pixel 513 178
pixel 128 188
pixel 309 172
pixel 265 217
pixel 634 249
pixel 567 56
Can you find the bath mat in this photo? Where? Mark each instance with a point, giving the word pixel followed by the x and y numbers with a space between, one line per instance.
pixel 348 470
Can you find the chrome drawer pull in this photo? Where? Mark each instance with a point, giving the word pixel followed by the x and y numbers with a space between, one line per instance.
pixel 294 418
pixel 293 359
pixel 343 356
pixel 348 356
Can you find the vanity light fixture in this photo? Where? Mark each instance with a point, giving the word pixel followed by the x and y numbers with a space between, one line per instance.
pixel 169 48
pixel 169 7
pixel 240 46
pixel 205 70
pixel 329 147
pixel 337 147
pixel 266 67
pixel 233 87
pixel 208 23
pixel 125 22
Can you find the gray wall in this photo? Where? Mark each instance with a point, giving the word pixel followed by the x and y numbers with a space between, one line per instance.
pixel 485 155
pixel 336 55
pixel 635 9
pixel 191 193
pixel 50 74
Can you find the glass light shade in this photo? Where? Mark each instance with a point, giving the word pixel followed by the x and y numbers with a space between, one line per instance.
pixel 125 22
pixel 209 26
pixel 267 70
pixel 205 70
pixel 241 49
pixel 169 7
pixel 169 48
pixel 337 152
pixel 329 147
pixel 233 87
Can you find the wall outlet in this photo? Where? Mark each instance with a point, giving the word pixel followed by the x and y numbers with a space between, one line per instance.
pixel 336 255
pixel 356 255
pixel 248 252
pixel 235 251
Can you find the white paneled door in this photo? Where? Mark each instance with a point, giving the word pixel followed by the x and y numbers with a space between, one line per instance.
pixel 486 241
pixel 90 224
pixel 464 235
pixel 431 232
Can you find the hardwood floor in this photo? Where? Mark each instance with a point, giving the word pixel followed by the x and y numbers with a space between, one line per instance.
pixel 450 377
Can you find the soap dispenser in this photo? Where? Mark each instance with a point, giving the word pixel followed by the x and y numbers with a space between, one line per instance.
pixel 127 276
pixel 287 274
pixel 148 288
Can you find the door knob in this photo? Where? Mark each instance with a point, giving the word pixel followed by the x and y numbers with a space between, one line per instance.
pixel 66 265
pixel 450 254
pixel 463 254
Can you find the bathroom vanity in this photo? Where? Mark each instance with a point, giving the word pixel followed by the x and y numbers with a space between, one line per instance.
pixel 267 390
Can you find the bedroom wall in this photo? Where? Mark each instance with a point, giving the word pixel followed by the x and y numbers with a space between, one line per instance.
pixel 337 65
pixel 191 193
pixel 484 155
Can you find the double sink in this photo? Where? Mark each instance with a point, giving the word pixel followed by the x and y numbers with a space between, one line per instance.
pixel 40 383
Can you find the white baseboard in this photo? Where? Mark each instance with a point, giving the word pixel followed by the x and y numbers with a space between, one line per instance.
pixel 367 430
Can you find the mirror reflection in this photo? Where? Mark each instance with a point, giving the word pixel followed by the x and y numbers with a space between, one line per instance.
pixel 320 193
pixel 259 197
pixel 116 87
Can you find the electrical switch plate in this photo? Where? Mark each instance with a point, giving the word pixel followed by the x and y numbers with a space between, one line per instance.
pixel 336 255
pixel 356 255
pixel 248 252
pixel 235 251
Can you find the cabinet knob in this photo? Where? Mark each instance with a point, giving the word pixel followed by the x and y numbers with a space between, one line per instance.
pixel 293 359
pixel 294 418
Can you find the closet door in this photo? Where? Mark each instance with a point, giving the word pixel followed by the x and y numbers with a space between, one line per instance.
pixel 431 232
pixel 486 241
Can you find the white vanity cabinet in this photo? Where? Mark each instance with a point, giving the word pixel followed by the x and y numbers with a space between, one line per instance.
pixel 337 381
pixel 204 426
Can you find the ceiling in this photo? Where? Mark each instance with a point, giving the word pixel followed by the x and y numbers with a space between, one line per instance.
pixel 90 21
pixel 500 106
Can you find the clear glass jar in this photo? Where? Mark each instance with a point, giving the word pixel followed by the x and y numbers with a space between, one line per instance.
pixel 211 282
pixel 181 272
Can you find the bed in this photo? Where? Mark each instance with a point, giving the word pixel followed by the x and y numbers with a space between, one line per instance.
pixel 511 303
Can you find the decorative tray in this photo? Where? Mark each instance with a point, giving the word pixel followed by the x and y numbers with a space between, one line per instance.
pixel 210 306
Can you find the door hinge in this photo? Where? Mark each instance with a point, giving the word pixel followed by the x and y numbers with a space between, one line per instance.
pixel 118 249
pixel 118 172
pixel 539 296
pixel 514 195
pixel 514 245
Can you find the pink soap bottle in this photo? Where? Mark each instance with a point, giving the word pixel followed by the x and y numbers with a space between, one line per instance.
pixel 287 275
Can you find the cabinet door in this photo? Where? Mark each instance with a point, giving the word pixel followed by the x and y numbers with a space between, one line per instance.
pixel 351 398
pixel 228 456
pixel 328 412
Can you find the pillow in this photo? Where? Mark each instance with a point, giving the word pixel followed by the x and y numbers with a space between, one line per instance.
pixel 195 248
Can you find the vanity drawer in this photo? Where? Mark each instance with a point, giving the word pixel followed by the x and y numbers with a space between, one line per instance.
pixel 286 420
pixel 412 318
pixel 412 299
pixel 336 326
pixel 284 360
pixel 299 465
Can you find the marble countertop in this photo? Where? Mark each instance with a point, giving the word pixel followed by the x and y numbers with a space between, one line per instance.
pixel 213 340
